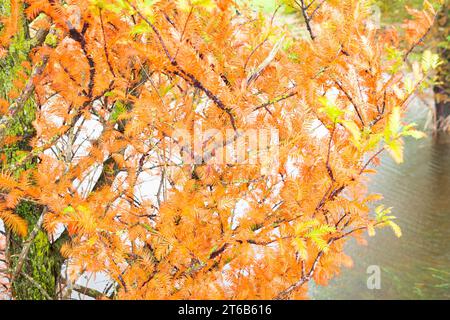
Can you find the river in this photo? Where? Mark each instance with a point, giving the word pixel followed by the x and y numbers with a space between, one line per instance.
pixel 416 266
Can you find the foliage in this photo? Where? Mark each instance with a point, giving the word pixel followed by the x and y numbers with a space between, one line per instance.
pixel 117 79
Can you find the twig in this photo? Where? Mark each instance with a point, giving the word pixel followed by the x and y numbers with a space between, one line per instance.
pixel 105 48
pixel 85 290
pixel 349 97
pixel 186 75
pixel 27 245
pixel 370 160
pixel 283 294
pixel 330 172
pixel 271 102
pixel 18 105
pixel 37 285
pixel 304 10
pixel 417 43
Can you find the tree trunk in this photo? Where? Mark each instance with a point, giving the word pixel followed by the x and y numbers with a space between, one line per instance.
pixel 442 89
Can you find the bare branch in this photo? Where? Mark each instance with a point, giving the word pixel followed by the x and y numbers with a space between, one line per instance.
pixel 271 102
pixel 37 285
pixel 349 97
pixel 27 245
pixel 18 105
pixel 85 290
pixel 306 17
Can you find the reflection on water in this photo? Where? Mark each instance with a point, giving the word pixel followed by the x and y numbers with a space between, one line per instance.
pixel 416 266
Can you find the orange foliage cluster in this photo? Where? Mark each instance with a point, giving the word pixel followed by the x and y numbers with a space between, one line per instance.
pixel 140 70
pixel 10 26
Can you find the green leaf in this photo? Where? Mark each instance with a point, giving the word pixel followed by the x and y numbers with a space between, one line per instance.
pixel 317 236
pixel 147 9
pixel 140 28
pixel 384 219
pixel 330 109
pixel 392 134
pixel 113 6
pixel 69 209
pixel 301 227
pixel 186 5
pixel 395 57
pixel 148 228
pixel 381 213
pixel 119 108
pixel 20 155
pixel 51 40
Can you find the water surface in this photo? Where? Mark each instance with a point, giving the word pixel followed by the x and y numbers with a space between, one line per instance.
pixel 416 266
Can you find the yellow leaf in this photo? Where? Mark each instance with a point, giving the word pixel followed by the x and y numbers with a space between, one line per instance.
pixel 300 245
pixel 395 227
pixel 329 107
pixel 395 148
pixel 416 134
pixel 371 230
pixel 353 128
pixel 430 60
pixel 394 121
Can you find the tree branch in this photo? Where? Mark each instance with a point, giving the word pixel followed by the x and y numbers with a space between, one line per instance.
pixel 283 294
pixel 37 285
pixel 85 290
pixel 186 75
pixel 418 42
pixel 271 102
pixel 304 10
pixel 27 245
pixel 349 97
pixel 18 105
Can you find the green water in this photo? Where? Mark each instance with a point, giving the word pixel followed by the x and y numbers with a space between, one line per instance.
pixel 416 266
